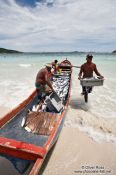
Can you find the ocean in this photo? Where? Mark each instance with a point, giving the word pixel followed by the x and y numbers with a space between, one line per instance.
pixel 97 117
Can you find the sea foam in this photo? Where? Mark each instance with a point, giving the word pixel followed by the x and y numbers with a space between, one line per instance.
pixel 25 65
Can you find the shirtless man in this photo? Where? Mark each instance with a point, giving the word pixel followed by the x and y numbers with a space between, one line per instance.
pixel 42 79
pixel 87 69
pixel 55 65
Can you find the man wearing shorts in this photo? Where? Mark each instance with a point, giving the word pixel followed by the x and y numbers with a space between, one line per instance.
pixel 42 80
pixel 87 70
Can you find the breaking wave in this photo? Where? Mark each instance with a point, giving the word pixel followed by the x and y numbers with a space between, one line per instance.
pixel 25 65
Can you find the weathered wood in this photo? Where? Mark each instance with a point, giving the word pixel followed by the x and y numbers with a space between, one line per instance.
pixel 41 123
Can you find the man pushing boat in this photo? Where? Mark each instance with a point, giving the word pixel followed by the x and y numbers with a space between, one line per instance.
pixel 42 80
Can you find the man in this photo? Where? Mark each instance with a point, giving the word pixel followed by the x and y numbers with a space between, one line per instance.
pixel 55 65
pixel 42 80
pixel 87 70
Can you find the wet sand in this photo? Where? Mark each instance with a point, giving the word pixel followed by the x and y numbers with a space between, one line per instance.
pixel 76 153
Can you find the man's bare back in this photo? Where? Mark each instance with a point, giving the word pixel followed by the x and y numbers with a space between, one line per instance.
pixel 41 76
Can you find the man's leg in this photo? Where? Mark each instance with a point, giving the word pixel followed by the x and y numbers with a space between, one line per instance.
pixel 83 90
pixel 39 94
pixel 90 89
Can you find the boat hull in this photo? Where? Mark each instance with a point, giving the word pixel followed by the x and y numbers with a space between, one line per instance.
pixel 16 142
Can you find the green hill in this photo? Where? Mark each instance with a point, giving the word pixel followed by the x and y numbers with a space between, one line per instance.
pixel 2 50
pixel 114 52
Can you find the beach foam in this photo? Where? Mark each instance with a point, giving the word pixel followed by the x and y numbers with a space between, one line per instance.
pixel 97 117
pixel 13 92
pixel 25 65
pixel 100 129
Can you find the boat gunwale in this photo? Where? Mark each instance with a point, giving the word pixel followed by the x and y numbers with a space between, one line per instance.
pixel 21 149
pixel 12 113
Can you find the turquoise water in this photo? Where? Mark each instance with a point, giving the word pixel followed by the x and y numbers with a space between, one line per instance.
pixel 17 77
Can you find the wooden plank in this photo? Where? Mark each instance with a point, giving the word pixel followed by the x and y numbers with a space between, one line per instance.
pixel 41 123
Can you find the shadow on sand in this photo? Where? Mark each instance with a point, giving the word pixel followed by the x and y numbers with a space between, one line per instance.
pixel 46 160
pixel 79 103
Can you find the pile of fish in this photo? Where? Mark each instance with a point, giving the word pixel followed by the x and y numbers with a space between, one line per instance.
pixel 61 85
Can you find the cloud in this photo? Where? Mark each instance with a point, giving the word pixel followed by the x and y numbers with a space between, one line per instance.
pixel 65 25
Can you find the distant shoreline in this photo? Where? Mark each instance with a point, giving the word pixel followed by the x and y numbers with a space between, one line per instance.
pixel 9 51
pixel 3 50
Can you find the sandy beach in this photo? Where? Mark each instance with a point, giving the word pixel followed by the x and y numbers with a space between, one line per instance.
pixel 76 153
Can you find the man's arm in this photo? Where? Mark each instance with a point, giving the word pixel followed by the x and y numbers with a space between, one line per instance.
pixel 48 82
pixel 97 73
pixel 80 73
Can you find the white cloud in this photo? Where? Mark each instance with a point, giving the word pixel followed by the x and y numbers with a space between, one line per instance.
pixel 67 25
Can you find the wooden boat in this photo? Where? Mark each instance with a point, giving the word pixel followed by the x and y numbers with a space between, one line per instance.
pixel 27 135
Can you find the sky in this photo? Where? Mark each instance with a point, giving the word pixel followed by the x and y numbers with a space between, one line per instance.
pixel 58 25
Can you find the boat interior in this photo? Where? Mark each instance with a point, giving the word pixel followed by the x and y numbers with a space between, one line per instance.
pixel 34 123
